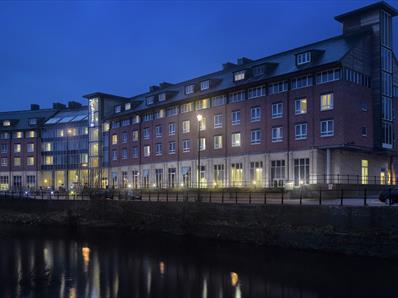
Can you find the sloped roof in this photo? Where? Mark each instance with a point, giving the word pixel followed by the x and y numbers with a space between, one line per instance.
pixel 20 119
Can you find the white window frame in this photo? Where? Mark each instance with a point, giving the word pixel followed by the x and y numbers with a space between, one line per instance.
pixel 301 131
pixel 236 140
pixel 329 132
pixel 277 134
pixel 255 136
pixel 235 117
pixel 277 110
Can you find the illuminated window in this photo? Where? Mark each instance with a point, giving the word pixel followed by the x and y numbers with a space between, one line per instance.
pixel 202 144
pixel 30 134
pixel 364 171
pixel 48 160
pixel 18 135
pixel 6 123
pixel 187 107
pixel 239 75
pixel 147 151
pixel 300 106
pixel 256 173
pixel 217 142
pixel 17 148
pixel 47 147
pixel 202 124
pixel 204 85
pixel 327 102
pixel 202 104
pixel 127 106
pixel 235 139
pixel 219 175
pixel 135 135
pixel 236 174
pixel 30 161
pixel 114 139
pixel 17 161
pixel 186 126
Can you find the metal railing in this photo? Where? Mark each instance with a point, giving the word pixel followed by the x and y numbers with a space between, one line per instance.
pixel 280 196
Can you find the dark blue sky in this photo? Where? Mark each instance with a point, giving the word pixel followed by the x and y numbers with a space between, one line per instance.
pixel 59 51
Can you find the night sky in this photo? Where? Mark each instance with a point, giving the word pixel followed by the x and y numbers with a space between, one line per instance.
pixel 59 51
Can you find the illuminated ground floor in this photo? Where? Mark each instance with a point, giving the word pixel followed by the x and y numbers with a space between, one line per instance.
pixel 289 169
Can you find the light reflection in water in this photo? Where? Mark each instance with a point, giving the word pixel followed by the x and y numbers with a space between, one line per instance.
pixel 61 265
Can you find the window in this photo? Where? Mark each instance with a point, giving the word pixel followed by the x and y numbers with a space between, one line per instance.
pixel 202 144
pixel 172 111
pixel 172 128
pixel 301 131
pixel 202 104
pixel 236 174
pixel 387 134
pixel 218 100
pixel 219 175
pixel 277 110
pixel 4 162
pixel 328 76
pixel 237 96
pixel 387 113
pixel 17 161
pixel 150 100
pixel 159 178
pixel 124 153
pixel 202 124
pixel 18 135
pixel 135 135
pixel 6 123
pixel 258 70
pixel 30 147
pixel 186 126
pixel 256 92
pixel 301 171
pixel 147 151
pixel 158 131
pixel 356 77
pixel 48 160
pixel 162 97
pixel 147 117
pixel 302 82
pixel 3 148
pixel 277 134
pixel 327 102
pixel 190 89
pixel 187 107
pixel 218 119
pixel 17 148
pixel 364 171
pixel 204 85
pixel 146 133
pixel 172 147
pixel 124 137
pixel 127 106
pixel 135 119
pixel 125 122
pixel 278 87
pixel 235 117
pixel 118 109
pixel 115 124
pixel 159 114
pixel 278 172
pixel 256 173
pixel 303 58
pixel 327 128
pixel 255 136
pixel 239 75
pixel 30 161
pixel 4 183
pixel 255 114
pixel 186 145
pixel 158 149
pixel 135 152
pixel 114 155
pixel 235 137
pixel 114 139
pixel 300 106
pixel 364 131
pixel 217 142
pixel 30 134
pixel 4 136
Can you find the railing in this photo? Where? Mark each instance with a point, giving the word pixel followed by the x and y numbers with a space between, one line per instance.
pixel 302 196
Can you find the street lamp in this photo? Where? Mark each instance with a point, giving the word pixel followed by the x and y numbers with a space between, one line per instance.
pixel 199 117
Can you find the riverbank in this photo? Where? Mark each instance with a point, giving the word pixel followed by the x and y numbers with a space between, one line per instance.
pixel 352 230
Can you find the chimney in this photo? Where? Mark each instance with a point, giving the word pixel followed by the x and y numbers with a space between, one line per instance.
pixel 74 105
pixel 243 60
pixel 58 106
pixel 34 107
pixel 153 88
pixel 228 65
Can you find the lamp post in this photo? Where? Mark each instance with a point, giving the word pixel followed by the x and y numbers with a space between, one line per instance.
pixel 199 117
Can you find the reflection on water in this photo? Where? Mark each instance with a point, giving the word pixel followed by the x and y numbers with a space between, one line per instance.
pixel 38 263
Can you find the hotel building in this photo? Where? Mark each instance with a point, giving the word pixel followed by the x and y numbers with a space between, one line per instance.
pixel 319 114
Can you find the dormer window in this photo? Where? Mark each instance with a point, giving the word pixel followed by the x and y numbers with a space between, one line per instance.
pixel 118 109
pixel 33 121
pixel 239 75
pixel 127 106
pixel 190 89
pixel 6 123
pixel 204 85
pixel 258 70
pixel 303 58
pixel 150 100
pixel 162 96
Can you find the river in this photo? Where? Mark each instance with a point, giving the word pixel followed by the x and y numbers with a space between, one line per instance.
pixel 41 263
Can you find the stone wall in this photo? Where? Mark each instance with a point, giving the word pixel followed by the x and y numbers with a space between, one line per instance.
pixel 350 230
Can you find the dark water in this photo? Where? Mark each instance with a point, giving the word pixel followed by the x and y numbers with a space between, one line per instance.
pixel 56 263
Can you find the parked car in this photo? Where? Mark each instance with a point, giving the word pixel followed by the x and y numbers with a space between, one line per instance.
pixel 384 196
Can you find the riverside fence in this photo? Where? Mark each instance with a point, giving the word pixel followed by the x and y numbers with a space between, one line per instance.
pixel 303 196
